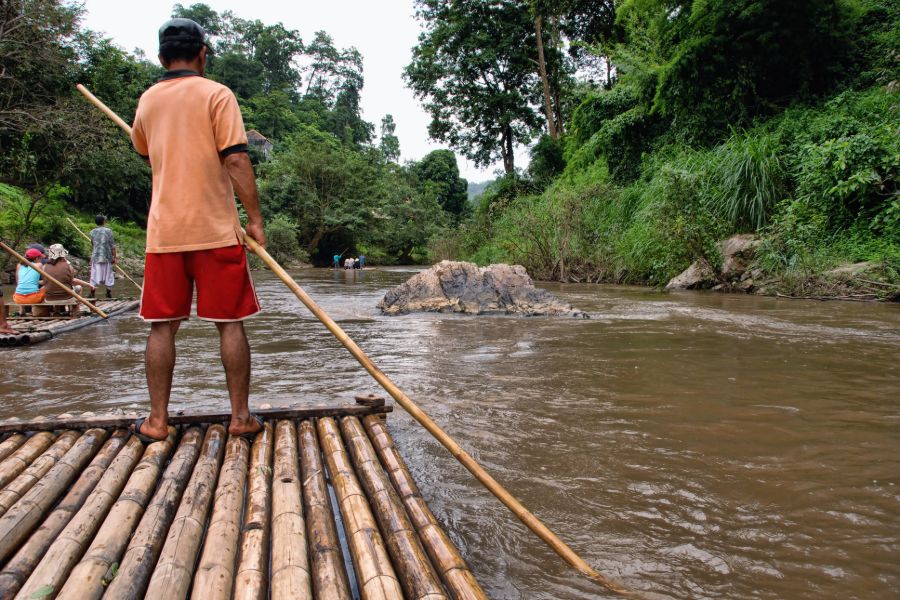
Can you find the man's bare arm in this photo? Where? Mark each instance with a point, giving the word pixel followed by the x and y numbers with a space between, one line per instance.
pixel 241 172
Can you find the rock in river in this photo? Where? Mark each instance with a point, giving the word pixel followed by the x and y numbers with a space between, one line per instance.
pixel 465 288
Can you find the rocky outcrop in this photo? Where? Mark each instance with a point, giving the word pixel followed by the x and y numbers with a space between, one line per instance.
pixel 738 253
pixel 700 275
pixel 462 287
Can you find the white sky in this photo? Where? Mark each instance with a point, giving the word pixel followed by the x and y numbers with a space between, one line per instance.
pixel 384 31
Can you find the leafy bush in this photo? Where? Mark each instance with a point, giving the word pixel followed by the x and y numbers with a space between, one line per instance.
pixel 855 177
pixel 282 240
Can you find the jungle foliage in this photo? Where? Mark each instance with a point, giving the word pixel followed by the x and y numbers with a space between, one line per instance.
pixel 328 184
pixel 705 118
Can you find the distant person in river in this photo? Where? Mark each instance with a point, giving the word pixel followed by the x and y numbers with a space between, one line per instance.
pixel 62 270
pixel 362 261
pixel 103 257
pixel 348 263
pixel 336 261
pixel 190 130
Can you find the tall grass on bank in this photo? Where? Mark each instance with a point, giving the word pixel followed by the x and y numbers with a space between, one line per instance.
pixel 747 178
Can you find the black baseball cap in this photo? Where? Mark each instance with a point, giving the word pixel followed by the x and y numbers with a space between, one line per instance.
pixel 182 30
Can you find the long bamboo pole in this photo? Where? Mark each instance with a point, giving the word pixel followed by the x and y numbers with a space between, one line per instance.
pixel 251 582
pixel 214 576
pixel 43 274
pixel 510 501
pixel 115 266
pixel 290 576
pixel 103 108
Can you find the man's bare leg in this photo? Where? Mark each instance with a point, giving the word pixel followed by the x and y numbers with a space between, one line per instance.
pixel 160 364
pixel 236 360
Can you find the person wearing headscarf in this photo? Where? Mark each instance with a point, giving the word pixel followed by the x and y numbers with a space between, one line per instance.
pixel 62 270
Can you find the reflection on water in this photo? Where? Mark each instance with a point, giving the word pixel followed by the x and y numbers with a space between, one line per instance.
pixel 694 445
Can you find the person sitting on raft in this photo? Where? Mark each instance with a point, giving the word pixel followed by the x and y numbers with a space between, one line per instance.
pixel 28 280
pixel 60 268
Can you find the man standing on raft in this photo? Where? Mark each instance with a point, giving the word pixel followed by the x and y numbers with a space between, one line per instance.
pixel 191 132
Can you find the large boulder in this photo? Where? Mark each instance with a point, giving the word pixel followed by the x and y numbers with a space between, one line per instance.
pixel 463 287
pixel 700 275
pixel 738 252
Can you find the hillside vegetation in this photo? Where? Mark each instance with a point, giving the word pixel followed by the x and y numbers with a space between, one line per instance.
pixel 718 117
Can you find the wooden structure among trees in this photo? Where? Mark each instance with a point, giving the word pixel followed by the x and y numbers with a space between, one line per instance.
pixel 319 504
pixel 33 330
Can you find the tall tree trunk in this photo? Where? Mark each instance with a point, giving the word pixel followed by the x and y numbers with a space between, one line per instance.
pixel 542 71
pixel 506 150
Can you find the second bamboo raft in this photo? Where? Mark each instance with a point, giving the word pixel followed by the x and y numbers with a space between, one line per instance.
pixel 320 504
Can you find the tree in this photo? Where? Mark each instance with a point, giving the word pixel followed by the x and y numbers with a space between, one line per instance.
pixel 389 144
pixel 473 67
pixel 438 176
pixel 727 62
pixel 202 14
pixel 319 181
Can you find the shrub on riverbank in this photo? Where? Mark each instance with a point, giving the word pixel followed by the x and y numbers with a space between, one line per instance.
pixel 819 184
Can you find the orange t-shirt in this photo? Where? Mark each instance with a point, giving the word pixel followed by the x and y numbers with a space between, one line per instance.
pixel 183 124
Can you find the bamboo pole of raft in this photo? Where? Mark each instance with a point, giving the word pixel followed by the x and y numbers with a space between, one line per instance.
pixel 416 574
pixel 329 578
pixel 252 580
pixel 19 460
pixel 511 502
pixel 214 577
pixel 19 568
pixel 444 556
pixel 24 482
pixel 290 566
pixel 90 576
pixel 19 520
pixel 139 559
pixel 171 578
pixel 87 237
pixel 55 565
pixel 374 572
pixel 47 277
pixel 103 108
pixel 10 444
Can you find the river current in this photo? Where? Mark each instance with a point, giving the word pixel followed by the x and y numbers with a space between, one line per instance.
pixel 692 445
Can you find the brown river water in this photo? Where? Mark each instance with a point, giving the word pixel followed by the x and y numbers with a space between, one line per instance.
pixel 691 445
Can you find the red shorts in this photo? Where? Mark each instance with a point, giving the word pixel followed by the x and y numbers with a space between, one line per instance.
pixel 224 287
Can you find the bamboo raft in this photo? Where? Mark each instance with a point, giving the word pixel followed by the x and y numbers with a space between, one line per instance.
pixel 33 330
pixel 319 504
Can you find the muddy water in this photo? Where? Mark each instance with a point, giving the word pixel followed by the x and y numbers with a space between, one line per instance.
pixel 697 446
